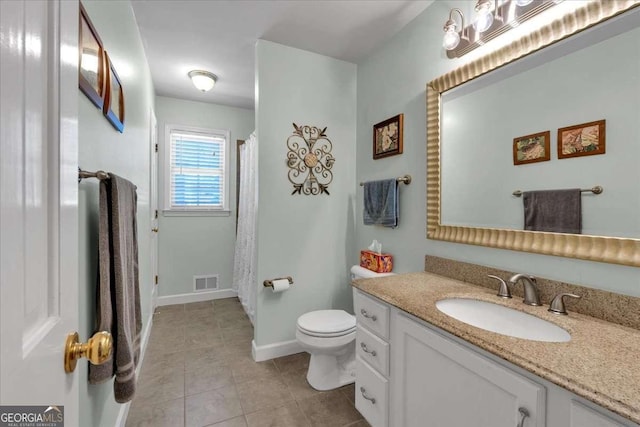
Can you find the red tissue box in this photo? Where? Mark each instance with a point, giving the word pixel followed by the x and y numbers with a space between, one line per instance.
pixel 380 263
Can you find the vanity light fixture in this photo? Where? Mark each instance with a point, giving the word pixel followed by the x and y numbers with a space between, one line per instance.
pixel 451 38
pixel 203 80
pixel 492 19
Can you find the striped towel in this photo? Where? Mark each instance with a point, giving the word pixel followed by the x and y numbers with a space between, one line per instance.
pixel 118 290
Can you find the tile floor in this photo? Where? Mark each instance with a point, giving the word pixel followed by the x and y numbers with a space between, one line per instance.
pixel 198 371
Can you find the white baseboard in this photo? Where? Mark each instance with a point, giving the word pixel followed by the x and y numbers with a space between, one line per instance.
pixel 195 297
pixel 271 351
pixel 144 340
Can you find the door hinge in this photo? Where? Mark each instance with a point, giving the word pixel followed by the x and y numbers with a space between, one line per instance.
pixel 156 148
pixel 156 214
pixel 156 279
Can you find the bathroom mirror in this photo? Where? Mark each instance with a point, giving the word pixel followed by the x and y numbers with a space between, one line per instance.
pixel 470 182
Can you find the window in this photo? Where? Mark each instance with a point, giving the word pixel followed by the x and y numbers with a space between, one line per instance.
pixel 196 173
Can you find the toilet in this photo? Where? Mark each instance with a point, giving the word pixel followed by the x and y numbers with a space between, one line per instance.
pixel 329 337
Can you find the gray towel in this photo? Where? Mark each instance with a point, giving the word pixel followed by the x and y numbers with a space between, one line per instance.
pixel 381 203
pixel 558 211
pixel 118 291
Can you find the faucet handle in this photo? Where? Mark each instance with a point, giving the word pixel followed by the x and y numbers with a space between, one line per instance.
pixel 557 303
pixel 504 291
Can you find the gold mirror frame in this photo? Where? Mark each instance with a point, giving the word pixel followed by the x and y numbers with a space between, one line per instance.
pixel 625 251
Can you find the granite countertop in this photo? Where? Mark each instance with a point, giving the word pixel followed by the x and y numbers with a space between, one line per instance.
pixel 600 363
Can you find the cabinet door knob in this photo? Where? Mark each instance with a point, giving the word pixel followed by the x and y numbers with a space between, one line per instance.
pixel 364 394
pixel 366 350
pixel 523 414
pixel 367 315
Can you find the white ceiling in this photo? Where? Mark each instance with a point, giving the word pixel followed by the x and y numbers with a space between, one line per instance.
pixel 219 36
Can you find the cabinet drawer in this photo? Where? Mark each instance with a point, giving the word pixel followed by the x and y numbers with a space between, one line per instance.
pixel 581 416
pixel 372 349
pixel 372 399
pixel 372 314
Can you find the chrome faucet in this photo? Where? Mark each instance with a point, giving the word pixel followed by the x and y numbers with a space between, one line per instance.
pixel 531 294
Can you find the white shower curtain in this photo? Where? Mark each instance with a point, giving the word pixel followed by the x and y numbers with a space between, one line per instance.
pixel 245 259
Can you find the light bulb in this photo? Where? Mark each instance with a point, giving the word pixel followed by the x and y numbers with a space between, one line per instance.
pixel 451 39
pixel 483 21
pixel 484 18
pixel 523 2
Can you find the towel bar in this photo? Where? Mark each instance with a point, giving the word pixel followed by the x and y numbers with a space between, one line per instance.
pixel 595 190
pixel 269 283
pixel 406 179
pixel 97 174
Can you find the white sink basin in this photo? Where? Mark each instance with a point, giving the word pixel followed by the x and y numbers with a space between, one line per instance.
pixel 502 320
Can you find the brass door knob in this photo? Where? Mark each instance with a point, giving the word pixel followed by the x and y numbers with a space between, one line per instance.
pixel 154 229
pixel 97 349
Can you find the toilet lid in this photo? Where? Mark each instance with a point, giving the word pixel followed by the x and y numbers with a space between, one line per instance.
pixel 327 322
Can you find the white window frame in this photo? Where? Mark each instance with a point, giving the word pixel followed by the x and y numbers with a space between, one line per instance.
pixel 192 210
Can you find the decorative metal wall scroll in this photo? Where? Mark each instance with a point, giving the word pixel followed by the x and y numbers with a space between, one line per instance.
pixel 309 160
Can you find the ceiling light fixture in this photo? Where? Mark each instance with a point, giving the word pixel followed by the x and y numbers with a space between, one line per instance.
pixel 203 80
pixel 522 3
pixel 451 38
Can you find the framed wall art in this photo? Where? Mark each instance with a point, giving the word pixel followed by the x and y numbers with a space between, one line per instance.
pixel 114 99
pixel 585 139
pixel 387 137
pixel 532 148
pixel 91 72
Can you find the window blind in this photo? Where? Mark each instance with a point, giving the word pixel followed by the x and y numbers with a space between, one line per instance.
pixel 197 166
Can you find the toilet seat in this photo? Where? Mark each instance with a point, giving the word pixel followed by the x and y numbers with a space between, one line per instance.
pixel 326 335
pixel 327 323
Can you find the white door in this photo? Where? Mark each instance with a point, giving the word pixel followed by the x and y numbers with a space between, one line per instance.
pixel 153 199
pixel 39 202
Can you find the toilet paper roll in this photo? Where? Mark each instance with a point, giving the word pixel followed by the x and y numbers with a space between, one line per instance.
pixel 280 285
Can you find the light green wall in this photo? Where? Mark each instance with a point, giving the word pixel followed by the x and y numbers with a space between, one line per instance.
pixel 192 246
pixel 307 237
pixel 127 155
pixel 393 80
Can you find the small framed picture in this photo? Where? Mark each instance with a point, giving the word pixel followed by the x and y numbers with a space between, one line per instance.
pixel 114 100
pixel 91 79
pixel 532 148
pixel 387 137
pixel 586 139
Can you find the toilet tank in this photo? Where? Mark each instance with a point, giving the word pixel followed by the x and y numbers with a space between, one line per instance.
pixel 358 272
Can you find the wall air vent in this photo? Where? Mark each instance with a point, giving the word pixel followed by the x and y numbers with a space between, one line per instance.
pixel 205 283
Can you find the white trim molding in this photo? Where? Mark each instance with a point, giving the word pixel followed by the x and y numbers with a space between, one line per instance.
pixel 166 168
pixel 271 351
pixel 195 297
pixel 208 212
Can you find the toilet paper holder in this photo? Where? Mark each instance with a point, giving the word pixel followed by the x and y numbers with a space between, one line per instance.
pixel 269 283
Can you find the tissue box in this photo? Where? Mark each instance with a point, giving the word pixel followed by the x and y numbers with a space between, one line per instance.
pixel 380 263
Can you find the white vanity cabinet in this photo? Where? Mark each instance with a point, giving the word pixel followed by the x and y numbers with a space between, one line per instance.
pixel 582 416
pixel 438 383
pixel 372 359
pixel 421 376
